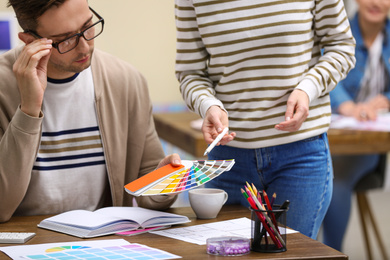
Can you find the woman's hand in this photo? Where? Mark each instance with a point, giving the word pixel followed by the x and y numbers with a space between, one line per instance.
pixel 214 122
pixel 296 112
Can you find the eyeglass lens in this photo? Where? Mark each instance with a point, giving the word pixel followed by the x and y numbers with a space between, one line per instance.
pixel 88 34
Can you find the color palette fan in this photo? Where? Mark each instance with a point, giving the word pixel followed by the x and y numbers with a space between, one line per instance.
pixel 171 179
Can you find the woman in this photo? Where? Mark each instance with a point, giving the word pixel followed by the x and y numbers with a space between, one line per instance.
pixel 363 94
pixel 256 67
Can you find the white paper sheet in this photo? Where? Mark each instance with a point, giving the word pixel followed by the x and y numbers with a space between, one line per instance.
pixel 381 124
pixel 198 234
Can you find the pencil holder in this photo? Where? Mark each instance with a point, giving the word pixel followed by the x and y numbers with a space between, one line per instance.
pixel 269 230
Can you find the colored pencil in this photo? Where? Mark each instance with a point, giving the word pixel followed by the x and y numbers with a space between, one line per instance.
pixel 254 189
pixel 273 199
pixel 269 206
pixel 250 188
pixel 244 193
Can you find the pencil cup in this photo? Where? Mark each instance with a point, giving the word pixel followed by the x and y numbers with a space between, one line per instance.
pixel 269 230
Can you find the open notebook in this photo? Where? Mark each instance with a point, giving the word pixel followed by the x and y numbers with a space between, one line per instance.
pixel 109 220
pixel 169 179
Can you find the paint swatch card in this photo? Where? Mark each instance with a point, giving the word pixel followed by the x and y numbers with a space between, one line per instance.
pixel 169 179
pixel 88 250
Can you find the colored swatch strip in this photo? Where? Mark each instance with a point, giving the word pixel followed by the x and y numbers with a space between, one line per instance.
pixel 132 251
pixel 194 174
pixel 62 248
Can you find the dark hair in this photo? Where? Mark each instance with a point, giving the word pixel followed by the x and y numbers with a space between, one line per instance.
pixel 28 11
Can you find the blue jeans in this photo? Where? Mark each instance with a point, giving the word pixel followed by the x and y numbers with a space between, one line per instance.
pixel 348 170
pixel 300 172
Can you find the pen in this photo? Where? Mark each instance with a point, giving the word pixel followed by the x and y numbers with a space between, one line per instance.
pixel 284 206
pixel 214 143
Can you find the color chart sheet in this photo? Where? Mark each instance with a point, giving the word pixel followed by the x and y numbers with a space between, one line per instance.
pixel 96 250
pixel 170 179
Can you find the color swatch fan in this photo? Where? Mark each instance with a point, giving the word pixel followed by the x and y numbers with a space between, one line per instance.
pixel 169 179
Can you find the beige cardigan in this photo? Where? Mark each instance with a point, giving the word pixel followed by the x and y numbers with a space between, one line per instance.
pixel 124 110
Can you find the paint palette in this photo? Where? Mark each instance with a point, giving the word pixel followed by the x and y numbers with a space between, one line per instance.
pixel 170 179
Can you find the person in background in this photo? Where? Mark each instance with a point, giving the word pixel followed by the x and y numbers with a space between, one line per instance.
pixel 256 67
pixel 363 94
pixel 76 123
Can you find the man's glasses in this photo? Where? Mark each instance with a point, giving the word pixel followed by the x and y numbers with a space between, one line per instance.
pixel 71 42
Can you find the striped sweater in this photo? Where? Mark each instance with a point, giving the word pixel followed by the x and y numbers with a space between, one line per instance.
pixel 247 56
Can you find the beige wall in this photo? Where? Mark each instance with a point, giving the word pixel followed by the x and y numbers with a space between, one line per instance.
pixel 142 33
pixel 350 6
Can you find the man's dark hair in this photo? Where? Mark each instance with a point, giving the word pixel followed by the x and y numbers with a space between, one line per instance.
pixel 28 11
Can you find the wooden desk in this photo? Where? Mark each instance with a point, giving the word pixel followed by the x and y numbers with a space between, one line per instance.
pixel 175 128
pixel 298 245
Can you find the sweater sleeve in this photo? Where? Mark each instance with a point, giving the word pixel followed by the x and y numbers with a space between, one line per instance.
pixel 338 96
pixel 333 32
pixel 151 156
pixel 191 61
pixel 18 147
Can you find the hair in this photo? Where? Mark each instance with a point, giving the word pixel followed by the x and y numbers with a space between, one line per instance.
pixel 28 11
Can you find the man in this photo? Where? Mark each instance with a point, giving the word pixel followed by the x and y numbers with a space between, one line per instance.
pixel 75 124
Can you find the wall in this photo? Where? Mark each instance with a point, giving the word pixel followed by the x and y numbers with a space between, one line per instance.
pixel 142 33
pixel 351 7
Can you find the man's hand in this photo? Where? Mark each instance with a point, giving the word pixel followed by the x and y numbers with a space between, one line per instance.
pixel 296 113
pixel 173 159
pixel 30 70
pixel 213 124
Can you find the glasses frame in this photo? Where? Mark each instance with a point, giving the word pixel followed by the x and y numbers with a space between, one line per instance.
pixel 78 35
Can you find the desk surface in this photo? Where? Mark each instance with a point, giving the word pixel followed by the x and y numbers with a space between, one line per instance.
pixel 298 245
pixel 175 128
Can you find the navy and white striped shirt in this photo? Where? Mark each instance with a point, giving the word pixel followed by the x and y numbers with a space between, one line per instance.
pixel 70 171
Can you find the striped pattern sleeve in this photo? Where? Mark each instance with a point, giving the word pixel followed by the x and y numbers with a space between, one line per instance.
pixel 334 36
pixel 191 62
